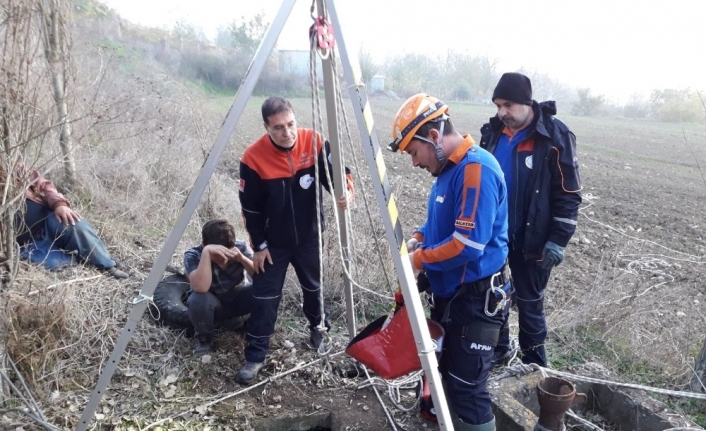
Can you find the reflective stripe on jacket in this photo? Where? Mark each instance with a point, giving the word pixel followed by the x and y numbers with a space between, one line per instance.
pixel 465 234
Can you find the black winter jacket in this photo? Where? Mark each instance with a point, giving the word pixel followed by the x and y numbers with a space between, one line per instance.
pixel 277 191
pixel 552 196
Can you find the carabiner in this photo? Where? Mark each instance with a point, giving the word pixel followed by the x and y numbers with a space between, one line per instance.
pixel 501 304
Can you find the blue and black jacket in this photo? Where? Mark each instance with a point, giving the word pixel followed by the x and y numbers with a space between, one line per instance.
pixel 543 180
pixel 465 234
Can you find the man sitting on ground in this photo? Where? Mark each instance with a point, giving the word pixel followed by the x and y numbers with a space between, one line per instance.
pixel 219 289
pixel 51 232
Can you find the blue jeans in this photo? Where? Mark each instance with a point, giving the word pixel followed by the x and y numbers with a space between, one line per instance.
pixel 41 223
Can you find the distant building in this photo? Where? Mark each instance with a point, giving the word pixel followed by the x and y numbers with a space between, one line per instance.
pixel 377 83
pixel 296 62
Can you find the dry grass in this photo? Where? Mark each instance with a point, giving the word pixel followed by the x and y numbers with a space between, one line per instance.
pixel 640 312
pixel 143 141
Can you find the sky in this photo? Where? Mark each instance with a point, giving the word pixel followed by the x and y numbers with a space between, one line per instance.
pixel 615 47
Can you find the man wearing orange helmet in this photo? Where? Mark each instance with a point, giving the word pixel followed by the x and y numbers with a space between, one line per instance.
pixel 537 153
pixel 462 247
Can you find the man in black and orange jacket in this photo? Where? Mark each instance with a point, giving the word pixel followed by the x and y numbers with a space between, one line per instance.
pixel 537 153
pixel 279 203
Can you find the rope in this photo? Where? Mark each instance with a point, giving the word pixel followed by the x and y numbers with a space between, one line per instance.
pixel 684 394
pixel 325 347
pixel 522 369
pixel 344 119
pixel 390 419
pixel 407 382
pixel 393 393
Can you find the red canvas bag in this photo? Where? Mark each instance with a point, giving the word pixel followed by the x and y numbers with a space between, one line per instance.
pixel 391 352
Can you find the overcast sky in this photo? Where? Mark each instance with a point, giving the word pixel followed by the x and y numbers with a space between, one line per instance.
pixel 614 47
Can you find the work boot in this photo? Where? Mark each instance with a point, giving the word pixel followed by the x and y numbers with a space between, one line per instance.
pixel 315 336
pixel 116 273
pixel 535 355
pixel 247 374
pixel 202 346
pixel 460 425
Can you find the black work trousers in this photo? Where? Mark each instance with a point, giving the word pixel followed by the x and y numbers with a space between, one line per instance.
pixel 529 280
pixel 467 356
pixel 268 294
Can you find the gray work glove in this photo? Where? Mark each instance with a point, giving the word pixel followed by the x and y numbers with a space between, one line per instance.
pixel 552 255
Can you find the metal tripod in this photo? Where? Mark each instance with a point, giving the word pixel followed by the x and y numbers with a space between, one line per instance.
pixel 383 191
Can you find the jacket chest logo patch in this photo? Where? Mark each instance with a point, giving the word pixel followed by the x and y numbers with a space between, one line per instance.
pixel 306 181
pixel 528 161
pixel 440 199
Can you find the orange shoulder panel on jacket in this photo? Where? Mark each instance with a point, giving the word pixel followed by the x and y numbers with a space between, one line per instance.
pixel 271 163
pixel 266 160
pixel 526 146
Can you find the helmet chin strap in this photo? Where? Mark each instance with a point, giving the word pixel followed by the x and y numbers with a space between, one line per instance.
pixel 437 147
pixel 440 157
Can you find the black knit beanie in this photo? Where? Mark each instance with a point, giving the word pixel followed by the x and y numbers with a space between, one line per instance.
pixel 514 87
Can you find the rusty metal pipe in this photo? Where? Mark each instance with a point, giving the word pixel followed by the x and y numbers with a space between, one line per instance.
pixel 555 396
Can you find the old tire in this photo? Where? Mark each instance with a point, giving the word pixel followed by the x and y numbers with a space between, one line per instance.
pixel 170 297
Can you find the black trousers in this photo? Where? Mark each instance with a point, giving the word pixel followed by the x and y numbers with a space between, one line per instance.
pixel 530 280
pixel 268 294
pixel 467 355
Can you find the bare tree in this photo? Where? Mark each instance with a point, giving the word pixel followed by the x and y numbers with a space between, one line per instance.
pixel 587 104
pixel 246 35
pixel 368 67
pixel 489 75
pixel 56 37
pixel 16 54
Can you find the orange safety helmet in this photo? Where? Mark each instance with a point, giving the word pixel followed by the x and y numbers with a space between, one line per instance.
pixel 417 110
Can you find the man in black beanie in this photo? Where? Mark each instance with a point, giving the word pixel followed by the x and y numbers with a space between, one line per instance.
pixel 537 154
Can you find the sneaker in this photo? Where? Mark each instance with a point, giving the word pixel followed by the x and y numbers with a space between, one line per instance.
pixel 202 347
pixel 247 374
pixel 116 273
